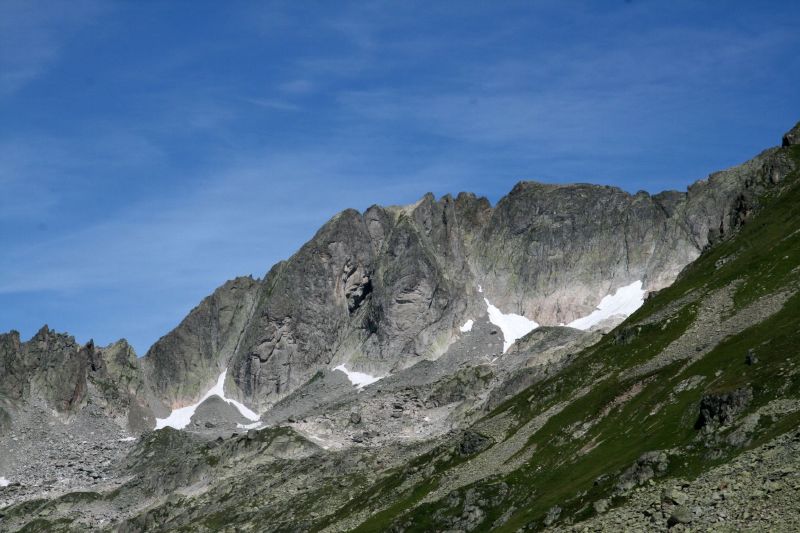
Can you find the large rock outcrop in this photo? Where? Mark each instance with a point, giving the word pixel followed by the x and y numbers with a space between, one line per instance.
pixel 379 290
pixel 53 372
pixel 182 365
pixel 50 369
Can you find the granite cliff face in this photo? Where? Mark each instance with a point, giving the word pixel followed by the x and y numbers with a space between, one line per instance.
pixel 50 368
pixel 199 349
pixel 552 252
pixel 379 291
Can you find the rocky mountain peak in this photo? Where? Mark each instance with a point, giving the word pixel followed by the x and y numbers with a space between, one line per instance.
pixel 383 290
pixel 792 137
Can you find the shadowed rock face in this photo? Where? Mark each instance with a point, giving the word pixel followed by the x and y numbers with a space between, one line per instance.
pixel 53 371
pixel 117 383
pixel 551 252
pixel 50 368
pixel 184 364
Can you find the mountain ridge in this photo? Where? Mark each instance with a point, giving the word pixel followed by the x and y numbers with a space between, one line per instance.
pixel 453 426
pixel 462 242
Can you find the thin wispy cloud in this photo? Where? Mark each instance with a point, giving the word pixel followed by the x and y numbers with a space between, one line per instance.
pixel 33 34
pixel 268 103
pixel 248 214
pixel 298 86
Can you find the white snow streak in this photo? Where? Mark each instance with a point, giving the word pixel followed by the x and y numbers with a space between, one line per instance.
pixel 180 418
pixel 127 439
pixel 254 425
pixel 623 302
pixel 359 379
pixel 513 326
pixel 467 326
pixel 4 482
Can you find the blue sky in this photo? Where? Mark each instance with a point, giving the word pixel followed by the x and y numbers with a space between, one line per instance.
pixel 151 150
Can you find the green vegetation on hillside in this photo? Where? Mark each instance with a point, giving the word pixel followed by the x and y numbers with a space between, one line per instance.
pixel 613 416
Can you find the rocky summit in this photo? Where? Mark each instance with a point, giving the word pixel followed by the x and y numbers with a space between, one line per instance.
pixel 573 358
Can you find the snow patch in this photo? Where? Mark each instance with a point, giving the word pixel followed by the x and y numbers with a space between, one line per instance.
pixel 254 425
pixel 4 482
pixel 127 439
pixel 467 326
pixel 359 379
pixel 180 418
pixel 623 302
pixel 513 326
pixel 324 440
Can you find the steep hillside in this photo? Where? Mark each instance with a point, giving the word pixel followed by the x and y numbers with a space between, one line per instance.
pixel 706 369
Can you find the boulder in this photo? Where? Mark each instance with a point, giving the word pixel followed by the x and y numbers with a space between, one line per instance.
pixel 721 409
pixel 673 496
pixel 601 506
pixel 473 443
pixel 681 515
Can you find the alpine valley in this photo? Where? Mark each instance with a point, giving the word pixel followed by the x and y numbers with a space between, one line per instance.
pixel 573 358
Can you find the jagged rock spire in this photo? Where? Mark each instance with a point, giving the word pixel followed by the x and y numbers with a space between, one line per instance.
pixel 792 137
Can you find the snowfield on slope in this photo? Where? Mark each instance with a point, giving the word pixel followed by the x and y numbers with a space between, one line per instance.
pixel 4 482
pixel 624 302
pixel 513 326
pixel 359 379
pixel 467 326
pixel 180 418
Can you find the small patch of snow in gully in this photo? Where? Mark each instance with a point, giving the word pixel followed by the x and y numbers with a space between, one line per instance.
pixel 623 302
pixel 254 425
pixel 4 482
pixel 127 439
pixel 180 418
pixel 467 326
pixel 513 326
pixel 359 379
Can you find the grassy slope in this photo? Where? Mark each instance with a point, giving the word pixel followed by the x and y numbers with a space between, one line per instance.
pixel 762 259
